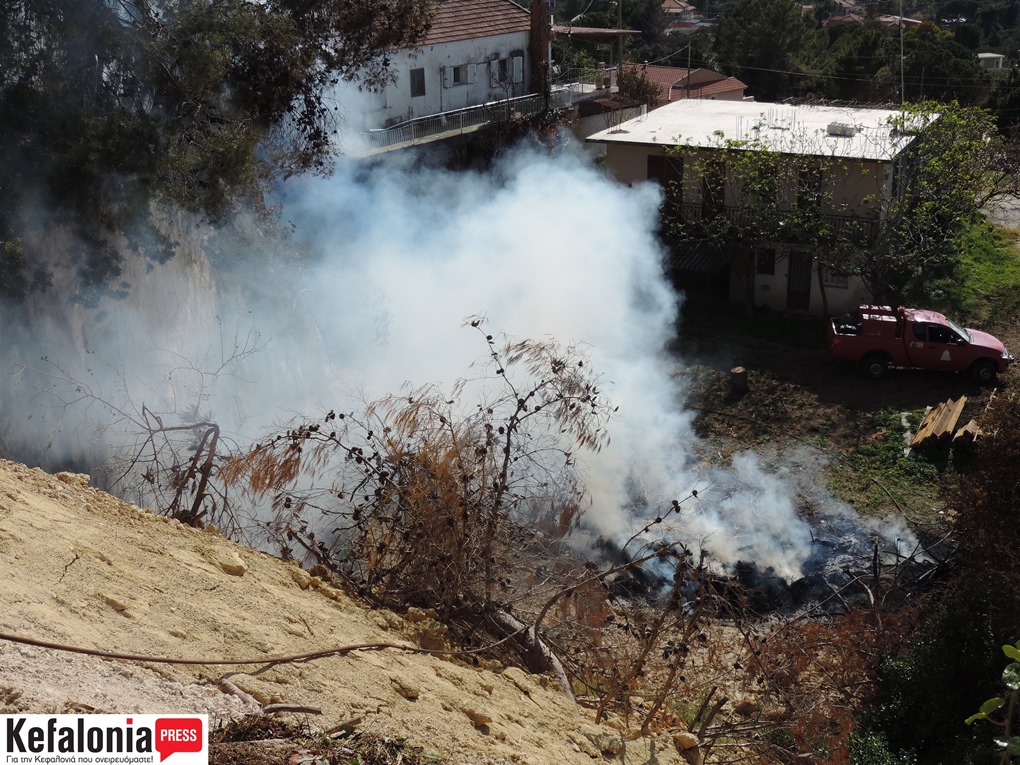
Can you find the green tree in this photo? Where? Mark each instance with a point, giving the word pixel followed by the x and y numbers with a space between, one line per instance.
pixel 938 68
pixel 106 106
pixel 854 57
pixel 768 45
pixel 634 83
pixel 778 195
pixel 956 164
pixel 1004 100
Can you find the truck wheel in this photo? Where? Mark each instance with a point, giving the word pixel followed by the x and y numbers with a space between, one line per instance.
pixel 983 372
pixel 875 366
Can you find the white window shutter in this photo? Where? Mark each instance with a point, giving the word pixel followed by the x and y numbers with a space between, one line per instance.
pixel 470 73
pixel 518 69
pixel 447 76
pixel 493 73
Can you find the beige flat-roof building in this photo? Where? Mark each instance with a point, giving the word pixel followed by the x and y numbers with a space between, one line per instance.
pixel 850 153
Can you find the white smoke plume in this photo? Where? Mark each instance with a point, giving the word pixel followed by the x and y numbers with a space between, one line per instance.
pixel 543 245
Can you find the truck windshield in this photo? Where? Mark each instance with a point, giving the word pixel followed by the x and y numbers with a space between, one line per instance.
pixel 959 330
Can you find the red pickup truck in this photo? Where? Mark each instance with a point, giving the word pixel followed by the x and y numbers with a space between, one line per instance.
pixel 879 337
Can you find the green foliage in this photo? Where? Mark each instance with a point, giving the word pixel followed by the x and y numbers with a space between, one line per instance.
pixel 13 279
pixel 928 693
pixel 633 83
pixel 910 244
pixel 925 695
pixel 938 68
pixel 856 62
pixel 877 472
pixel 986 501
pixel 767 43
pixel 985 284
pixel 870 748
pixel 1002 712
pixel 107 107
pixel 943 178
pixel 862 62
pixel 1004 100
pixel 779 194
pixel 694 48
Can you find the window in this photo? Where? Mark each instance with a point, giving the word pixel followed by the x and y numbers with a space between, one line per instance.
pixel 462 74
pixel 944 335
pixel 501 71
pixel 504 71
pixel 668 172
pixel 713 189
pixel 766 262
pixel 417 83
pixel 832 278
pixel 809 188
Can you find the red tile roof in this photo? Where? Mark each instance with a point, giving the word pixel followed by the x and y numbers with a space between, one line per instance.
pixel 663 77
pixel 672 82
pixel 469 19
pixel 711 89
pixel 677 6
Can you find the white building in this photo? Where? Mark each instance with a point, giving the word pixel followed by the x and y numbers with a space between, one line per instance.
pixel 476 52
pixel 850 157
pixel 994 62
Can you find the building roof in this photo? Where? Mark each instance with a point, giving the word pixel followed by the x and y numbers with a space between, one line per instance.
pixel 846 18
pixel 456 20
pixel 811 130
pixel 897 21
pixel 675 83
pixel 591 33
pixel 677 6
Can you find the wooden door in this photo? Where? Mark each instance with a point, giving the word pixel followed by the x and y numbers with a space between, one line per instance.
pixel 798 286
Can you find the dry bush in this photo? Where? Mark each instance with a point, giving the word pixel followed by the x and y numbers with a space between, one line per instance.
pixel 412 500
pixel 987 525
pixel 815 677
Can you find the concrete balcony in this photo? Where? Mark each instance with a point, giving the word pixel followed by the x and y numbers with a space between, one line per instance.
pixel 446 125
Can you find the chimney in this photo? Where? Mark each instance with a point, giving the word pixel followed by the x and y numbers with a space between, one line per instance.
pixel 541 23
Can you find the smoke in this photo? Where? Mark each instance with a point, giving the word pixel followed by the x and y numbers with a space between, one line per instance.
pixel 398 255
pixel 544 245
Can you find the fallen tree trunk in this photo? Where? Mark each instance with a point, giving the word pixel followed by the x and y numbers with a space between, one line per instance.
pixel 538 655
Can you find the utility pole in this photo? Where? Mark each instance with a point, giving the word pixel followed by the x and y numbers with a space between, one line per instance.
pixel 619 26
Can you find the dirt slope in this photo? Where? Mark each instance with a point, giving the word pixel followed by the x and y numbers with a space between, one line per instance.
pixel 80 567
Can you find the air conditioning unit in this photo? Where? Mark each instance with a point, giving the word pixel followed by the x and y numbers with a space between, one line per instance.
pixel 841 129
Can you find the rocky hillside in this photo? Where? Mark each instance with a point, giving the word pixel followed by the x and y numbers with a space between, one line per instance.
pixel 81 568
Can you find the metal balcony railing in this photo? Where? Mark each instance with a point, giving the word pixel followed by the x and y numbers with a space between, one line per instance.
pixel 422 129
pixel 585 80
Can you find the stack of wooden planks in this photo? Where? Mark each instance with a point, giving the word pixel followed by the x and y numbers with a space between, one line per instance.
pixel 939 424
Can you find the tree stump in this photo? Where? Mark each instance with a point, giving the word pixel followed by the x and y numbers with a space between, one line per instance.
pixel 738 382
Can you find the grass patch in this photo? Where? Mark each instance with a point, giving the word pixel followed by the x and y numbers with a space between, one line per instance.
pixel 772 410
pixel 877 477
pixel 986 287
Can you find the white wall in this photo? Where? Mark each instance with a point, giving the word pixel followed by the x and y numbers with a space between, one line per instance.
pixel 770 290
pixel 477 62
